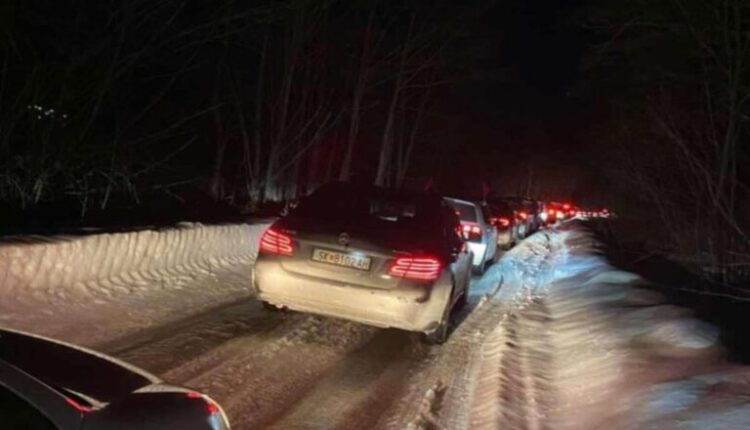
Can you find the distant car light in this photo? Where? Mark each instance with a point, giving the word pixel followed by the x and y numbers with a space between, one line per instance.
pixel 471 231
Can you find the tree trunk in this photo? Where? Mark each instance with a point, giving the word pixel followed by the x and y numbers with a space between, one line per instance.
pixel 382 178
pixel 270 186
pixel 359 90
pixel 255 191
pixel 215 187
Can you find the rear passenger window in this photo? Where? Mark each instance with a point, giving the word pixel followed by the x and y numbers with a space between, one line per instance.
pixel 17 414
pixel 466 212
pixel 452 226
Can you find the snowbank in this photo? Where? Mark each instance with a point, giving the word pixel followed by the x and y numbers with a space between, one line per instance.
pixel 113 284
pixel 583 346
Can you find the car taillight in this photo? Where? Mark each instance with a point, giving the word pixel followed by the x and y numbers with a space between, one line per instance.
pixel 78 406
pixel 503 222
pixel 276 242
pixel 211 406
pixel 522 215
pixel 418 268
pixel 471 231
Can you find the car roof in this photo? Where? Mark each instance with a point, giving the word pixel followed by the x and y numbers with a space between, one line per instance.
pixel 375 190
pixel 465 202
pixel 72 367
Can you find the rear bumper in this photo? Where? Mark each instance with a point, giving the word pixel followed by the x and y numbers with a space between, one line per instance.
pixel 417 308
pixel 478 249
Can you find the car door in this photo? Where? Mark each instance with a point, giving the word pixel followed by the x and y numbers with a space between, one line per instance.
pixel 490 231
pixel 461 264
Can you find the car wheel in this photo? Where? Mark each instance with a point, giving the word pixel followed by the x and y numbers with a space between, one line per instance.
pixel 478 270
pixel 440 334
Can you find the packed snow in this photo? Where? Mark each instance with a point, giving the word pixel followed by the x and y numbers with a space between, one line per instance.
pixel 553 337
pixel 98 288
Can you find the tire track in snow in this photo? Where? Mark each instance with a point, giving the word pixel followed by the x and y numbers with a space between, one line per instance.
pixel 258 381
pixel 354 393
pixel 441 384
pixel 166 347
pixel 506 392
pixel 525 390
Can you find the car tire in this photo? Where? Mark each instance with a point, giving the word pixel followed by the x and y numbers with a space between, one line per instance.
pixel 478 270
pixel 437 337
pixel 440 334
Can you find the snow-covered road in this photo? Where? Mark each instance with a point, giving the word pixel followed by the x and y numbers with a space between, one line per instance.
pixel 553 337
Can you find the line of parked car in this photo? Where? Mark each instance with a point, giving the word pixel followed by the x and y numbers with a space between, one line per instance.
pixel 387 258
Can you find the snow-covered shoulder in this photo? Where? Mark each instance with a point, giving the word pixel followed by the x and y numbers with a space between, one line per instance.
pixel 585 344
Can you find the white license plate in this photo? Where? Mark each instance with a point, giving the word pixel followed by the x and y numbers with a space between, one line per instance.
pixel 341 259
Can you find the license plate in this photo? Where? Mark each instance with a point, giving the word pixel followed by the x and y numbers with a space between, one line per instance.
pixel 341 259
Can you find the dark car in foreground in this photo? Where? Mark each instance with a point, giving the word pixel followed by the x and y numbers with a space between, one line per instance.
pixel 51 385
pixel 367 254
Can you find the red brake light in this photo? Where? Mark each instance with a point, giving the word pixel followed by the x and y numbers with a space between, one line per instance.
pixel 419 268
pixel 504 222
pixel 211 407
pixel 522 215
pixel 471 231
pixel 275 242
pixel 79 407
pixel 551 211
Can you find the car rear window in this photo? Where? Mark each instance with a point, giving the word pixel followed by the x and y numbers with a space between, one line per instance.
pixel 467 212
pixel 345 203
